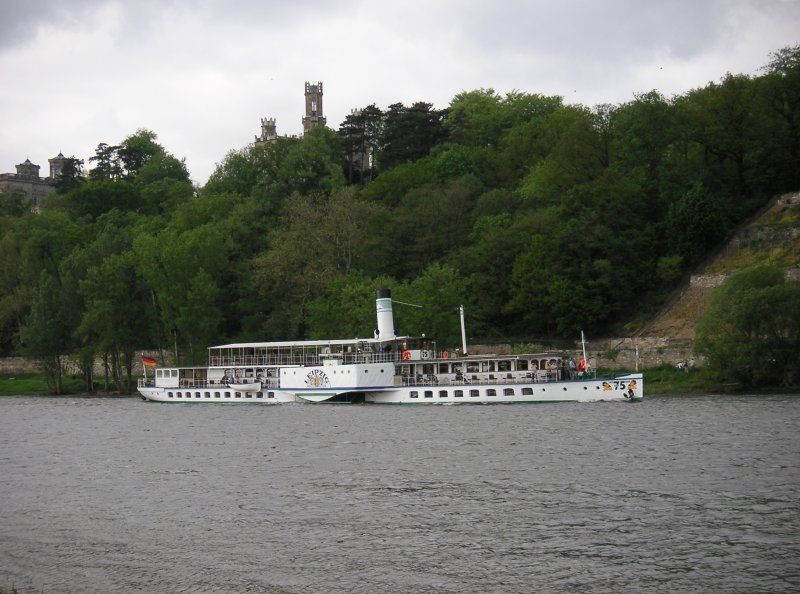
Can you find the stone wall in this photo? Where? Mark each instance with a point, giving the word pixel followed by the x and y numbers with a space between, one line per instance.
pixel 11 365
pixel 618 354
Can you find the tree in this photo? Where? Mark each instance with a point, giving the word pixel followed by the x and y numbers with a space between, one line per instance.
pixel 71 175
pixel 94 198
pixel 750 331
pixel 346 308
pixel 360 133
pixel 320 239
pixel 409 133
pixel 313 164
pixel 108 165
pixel 137 150
pixel 47 333
pixel 116 318
pixel 696 223
pixel 782 88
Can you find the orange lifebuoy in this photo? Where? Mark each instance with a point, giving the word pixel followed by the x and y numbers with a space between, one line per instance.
pixel 445 355
pixel 406 355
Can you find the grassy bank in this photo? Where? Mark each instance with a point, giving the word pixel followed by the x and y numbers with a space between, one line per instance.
pixel 33 384
pixel 669 380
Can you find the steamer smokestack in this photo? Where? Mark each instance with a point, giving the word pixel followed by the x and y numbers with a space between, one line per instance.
pixel 383 304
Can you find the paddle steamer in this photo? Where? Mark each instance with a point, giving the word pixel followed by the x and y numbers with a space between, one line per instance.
pixel 384 369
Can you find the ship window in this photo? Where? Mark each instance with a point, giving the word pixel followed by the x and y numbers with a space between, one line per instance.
pixel 216 394
pixel 473 393
pixel 442 393
pixel 527 391
pixel 259 395
pixel 248 395
pixel 197 394
pixel 208 394
pixel 459 394
pixel 504 366
pixel 174 373
pixel 170 394
pixel 472 367
pixel 414 394
pixel 227 394
pixel 270 394
pixel 428 393
pixel 238 394
pixel 508 391
pixel 491 392
pixel 522 365
pixel 443 368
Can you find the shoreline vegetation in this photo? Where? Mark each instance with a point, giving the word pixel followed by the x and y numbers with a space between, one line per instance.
pixel 659 381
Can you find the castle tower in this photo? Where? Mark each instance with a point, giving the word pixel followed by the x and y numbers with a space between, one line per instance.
pixel 313 117
pixel 268 132
pixel 27 170
pixel 57 166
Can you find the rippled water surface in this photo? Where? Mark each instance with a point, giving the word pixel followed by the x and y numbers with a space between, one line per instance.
pixel 669 495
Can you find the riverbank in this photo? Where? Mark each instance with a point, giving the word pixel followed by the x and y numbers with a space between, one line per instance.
pixel 34 384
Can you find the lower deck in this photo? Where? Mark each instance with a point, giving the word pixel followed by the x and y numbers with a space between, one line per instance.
pixel 624 388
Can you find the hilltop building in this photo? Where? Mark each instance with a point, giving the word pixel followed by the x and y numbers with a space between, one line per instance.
pixel 26 180
pixel 313 116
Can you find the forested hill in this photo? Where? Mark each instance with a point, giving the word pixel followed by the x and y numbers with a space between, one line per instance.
pixel 542 218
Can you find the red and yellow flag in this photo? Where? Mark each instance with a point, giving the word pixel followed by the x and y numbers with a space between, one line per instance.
pixel 149 362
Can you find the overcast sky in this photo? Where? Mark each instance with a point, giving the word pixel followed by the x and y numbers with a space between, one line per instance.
pixel 202 73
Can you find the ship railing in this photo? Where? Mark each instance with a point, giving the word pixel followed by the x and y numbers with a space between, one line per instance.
pixel 482 378
pixel 304 360
pixel 267 382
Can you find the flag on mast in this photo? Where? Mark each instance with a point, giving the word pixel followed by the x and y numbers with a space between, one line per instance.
pixel 148 361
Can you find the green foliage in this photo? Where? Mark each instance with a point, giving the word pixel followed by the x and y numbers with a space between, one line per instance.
pixel 346 308
pixel 409 133
pixel 47 333
pixel 542 218
pixel 750 332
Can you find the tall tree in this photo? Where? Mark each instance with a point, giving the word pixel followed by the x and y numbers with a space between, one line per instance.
pixel 47 334
pixel 409 133
pixel 108 165
pixel 137 150
pixel 751 330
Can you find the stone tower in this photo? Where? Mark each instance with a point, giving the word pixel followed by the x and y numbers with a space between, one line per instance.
pixel 28 170
pixel 313 117
pixel 57 166
pixel 269 132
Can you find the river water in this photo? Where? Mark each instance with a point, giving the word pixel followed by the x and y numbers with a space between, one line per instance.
pixel 674 494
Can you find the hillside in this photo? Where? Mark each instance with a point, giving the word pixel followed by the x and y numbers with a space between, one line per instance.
pixel 771 236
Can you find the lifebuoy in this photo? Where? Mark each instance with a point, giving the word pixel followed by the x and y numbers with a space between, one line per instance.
pixel 406 355
pixel 445 355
